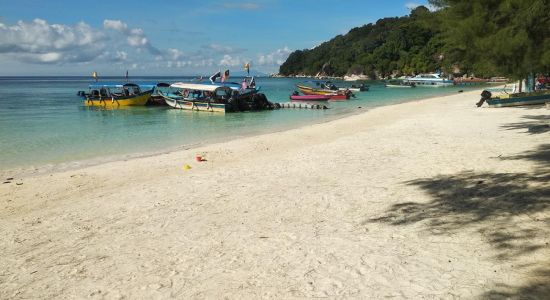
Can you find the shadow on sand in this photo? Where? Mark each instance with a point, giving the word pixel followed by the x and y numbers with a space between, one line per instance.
pixel 510 210
pixel 534 125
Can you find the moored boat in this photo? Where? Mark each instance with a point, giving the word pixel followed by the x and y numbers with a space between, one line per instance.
pixel 156 97
pixel 433 80
pixel 517 99
pixel 335 94
pixel 339 97
pixel 355 88
pixel 309 98
pixel 469 81
pixel 398 83
pixel 214 98
pixel 115 95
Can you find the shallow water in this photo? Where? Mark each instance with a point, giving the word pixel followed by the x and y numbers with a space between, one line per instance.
pixel 43 122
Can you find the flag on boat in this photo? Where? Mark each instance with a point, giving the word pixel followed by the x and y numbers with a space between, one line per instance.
pixel 94 75
pixel 225 75
pixel 247 68
pixel 252 83
pixel 215 76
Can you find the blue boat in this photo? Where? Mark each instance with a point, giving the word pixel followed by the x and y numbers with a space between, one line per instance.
pixel 517 99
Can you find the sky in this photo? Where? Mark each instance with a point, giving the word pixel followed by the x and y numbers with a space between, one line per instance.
pixel 170 37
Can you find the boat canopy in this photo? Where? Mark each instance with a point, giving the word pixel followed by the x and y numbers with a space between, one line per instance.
pixel 197 86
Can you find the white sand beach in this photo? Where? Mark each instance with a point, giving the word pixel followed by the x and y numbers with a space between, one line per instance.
pixel 424 200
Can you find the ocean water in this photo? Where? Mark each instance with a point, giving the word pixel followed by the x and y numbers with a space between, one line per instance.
pixel 43 122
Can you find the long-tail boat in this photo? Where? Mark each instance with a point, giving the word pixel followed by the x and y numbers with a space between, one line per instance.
pixel 335 94
pixel 309 98
pixel 214 98
pixel 115 95
pixel 517 99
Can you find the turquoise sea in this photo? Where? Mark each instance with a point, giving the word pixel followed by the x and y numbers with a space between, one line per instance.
pixel 43 122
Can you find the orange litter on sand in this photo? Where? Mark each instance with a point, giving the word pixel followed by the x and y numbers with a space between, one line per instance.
pixel 198 157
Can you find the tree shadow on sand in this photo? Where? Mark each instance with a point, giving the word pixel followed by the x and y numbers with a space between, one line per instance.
pixel 534 125
pixel 510 210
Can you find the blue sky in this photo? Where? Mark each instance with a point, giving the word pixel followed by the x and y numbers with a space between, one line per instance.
pixel 169 37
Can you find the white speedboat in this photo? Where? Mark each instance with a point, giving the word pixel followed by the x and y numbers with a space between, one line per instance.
pixel 432 79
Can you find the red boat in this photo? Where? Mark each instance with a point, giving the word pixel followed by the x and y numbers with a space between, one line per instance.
pixel 310 98
pixel 339 97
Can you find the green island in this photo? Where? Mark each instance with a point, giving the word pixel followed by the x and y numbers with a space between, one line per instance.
pixel 487 38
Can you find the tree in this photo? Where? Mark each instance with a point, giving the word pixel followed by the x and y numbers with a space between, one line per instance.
pixel 505 37
pixel 402 45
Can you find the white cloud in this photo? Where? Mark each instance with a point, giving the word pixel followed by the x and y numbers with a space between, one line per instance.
pixel 115 25
pixel 274 58
pixel 229 61
pixel 223 49
pixel 412 5
pixel 121 56
pixel 135 36
pixel 204 63
pixel 115 43
pixel 174 54
pixel 40 42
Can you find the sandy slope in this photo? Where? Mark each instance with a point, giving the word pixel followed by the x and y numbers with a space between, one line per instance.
pixel 431 199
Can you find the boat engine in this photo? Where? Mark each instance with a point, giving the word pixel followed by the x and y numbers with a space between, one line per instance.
pixel 485 95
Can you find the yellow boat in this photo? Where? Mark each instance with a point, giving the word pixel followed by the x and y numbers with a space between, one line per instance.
pixel 115 95
pixel 313 91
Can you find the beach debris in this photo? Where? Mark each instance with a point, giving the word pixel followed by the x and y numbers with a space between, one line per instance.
pixel 6 182
pixel 9 178
pixel 200 158
pixel 186 167
pixel 19 183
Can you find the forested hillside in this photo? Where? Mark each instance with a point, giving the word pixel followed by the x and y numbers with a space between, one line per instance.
pixel 408 44
pixel 488 38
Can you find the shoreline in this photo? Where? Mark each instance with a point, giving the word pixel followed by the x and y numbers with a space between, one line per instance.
pixel 425 199
pixel 73 165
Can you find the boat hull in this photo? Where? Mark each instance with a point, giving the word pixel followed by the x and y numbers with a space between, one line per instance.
pixel 519 101
pixel 195 105
pixel 309 98
pixel 339 97
pixel 139 100
pixel 399 86
pixel 350 89
pixel 311 91
pixel 432 83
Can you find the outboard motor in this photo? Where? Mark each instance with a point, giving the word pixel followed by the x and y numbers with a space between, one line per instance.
pixel 485 95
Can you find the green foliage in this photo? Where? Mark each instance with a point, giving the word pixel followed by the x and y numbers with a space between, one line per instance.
pixel 486 37
pixel 393 45
pixel 505 37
